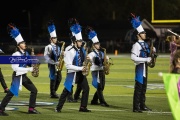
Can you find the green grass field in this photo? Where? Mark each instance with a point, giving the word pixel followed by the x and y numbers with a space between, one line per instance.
pixel 118 93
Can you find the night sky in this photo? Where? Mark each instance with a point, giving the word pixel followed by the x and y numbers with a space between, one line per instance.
pixel 95 13
pixel 15 12
pixel 31 17
pixel 43 10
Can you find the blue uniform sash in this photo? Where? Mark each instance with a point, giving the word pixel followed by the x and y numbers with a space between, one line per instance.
pixel 139 73
pixel 52 73
pixel 68 81
pixel 15 85
pixel 94 78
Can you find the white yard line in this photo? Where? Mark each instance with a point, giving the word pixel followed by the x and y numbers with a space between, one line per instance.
pixel 100 110
pixel 106 110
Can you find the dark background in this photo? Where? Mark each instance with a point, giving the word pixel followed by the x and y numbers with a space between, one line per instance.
pixel 31 17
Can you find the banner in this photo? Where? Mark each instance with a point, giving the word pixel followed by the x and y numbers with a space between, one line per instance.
pixel 172 87
pixel 22 60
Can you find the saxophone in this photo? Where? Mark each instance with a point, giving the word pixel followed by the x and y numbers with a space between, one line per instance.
pixel 35 72
pixel 106 63
pixel 86 63
pixel 153 56
pixel 61 58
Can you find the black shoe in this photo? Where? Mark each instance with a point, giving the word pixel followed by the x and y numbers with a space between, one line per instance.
pixel 54 96
pixel 145 108
pixel 137 110
pixel 2 113
pixel 34 111
pixel 104 104
pixel 94 102
pixel 57 110
pixel 82 109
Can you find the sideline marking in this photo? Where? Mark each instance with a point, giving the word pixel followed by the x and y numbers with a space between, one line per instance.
pixel 149 86
pixel 100 110
pixel 156 112
pixel 148 112
pixel 38 103
pixel 26 103
pixel 11 108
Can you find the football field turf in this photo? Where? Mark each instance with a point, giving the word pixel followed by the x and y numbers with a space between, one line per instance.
pixel 118 93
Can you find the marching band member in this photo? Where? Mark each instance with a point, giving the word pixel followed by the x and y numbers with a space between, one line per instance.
pixel 98 76
pixel 173 46
pixel 19 76
pixel 51 54
pixel 74 58
pixel 139 54
pixel 78 88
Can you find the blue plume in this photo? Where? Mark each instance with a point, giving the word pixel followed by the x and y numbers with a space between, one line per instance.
pixel 51 28
pixel 76 28
pixel 14 32
pixel 136 22
pixel 92 34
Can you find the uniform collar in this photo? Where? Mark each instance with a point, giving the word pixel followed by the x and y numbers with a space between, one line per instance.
pixel 22 51
pixel 140 40
pixel 53 44
pixel 96 50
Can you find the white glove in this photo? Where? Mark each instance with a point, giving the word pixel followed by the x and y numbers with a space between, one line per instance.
pixel 154 49
pixel 149 59
pixel 57 63
pixel 107 57
pixel 31 69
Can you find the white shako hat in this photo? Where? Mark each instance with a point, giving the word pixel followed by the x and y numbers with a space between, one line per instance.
pixel 92 35
pixel 52 29
pixel 75 29
pixel 14 33
pixel 136 23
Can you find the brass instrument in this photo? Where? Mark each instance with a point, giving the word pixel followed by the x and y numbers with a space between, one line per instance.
pixel 153 55
pixel 106 63
pixel 86 62
pixel 61 57
pixel 35 72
